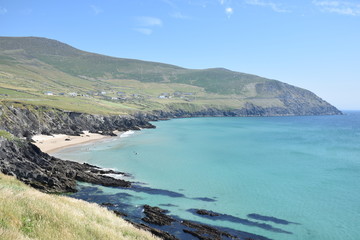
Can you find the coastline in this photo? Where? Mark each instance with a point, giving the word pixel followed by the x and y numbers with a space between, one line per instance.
pixel 53 143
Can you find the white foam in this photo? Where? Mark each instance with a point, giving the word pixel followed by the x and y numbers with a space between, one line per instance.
pixel 117 176
pixel 127 134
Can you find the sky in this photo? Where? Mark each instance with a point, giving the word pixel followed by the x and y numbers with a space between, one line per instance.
pixel 312 44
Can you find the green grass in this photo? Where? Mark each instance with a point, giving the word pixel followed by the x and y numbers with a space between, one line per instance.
pixel 26 213
pixel 29 67
pixel 6 135
pixel 79 63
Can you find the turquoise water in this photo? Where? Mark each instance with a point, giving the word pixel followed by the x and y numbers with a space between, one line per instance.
pixel 305 170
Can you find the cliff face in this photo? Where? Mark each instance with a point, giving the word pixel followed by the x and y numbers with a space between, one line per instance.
pixel 49 174
pixel 26 121
pixel 296 101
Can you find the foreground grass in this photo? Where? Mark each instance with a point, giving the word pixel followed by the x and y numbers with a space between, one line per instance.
pixel 26 213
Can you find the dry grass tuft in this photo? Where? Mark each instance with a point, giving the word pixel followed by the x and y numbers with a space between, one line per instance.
pixel 26 213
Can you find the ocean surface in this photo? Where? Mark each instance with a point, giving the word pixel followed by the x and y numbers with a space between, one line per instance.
pixel 278 177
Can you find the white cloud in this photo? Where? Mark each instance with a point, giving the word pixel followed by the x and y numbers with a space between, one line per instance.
pixel 3 10
pixel 227 7
pixel 170 3
pixel 200 3
pixel 339 7
pixel 149 21
pixel 229 11
pixel 145 31
pixel 179 15
pixel 274 6
pixel 96 9
pixel 225 2
pixel 145 25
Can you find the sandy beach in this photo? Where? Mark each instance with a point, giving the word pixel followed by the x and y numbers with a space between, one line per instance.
pixel 56 142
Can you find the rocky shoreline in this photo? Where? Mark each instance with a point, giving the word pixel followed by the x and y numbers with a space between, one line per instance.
pixel 162 224
pixel 27 163
pixel 20 158
pixel 27 121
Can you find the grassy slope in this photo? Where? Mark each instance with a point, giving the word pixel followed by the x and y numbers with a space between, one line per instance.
pixel 79 63
pixel 31 66
pixel 26 213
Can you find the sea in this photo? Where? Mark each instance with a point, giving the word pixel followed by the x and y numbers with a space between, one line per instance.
pixel 285 178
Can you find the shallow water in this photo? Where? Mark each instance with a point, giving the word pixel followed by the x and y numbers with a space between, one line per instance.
pixel 303 170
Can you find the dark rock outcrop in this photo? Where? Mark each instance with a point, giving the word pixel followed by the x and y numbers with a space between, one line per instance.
pixel 119 214
pixel 49 174
pixel 206 212
pixel 157 216
pixel 205 232
pixel 162 234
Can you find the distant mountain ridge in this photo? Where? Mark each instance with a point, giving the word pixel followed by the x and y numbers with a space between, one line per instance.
pixel 60 67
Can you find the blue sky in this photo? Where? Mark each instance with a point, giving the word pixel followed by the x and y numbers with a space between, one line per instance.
pixel 313 44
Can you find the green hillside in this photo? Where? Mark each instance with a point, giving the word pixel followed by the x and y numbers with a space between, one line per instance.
pixel 83 64
pixel 94 83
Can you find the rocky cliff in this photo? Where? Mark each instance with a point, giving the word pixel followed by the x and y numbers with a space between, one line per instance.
pixel 49 174
pixel 26 121
pixel 24 160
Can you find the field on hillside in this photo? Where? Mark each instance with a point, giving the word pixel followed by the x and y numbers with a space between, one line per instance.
pixel 46 86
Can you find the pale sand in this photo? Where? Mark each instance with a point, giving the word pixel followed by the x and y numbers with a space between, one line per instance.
pixel 51 144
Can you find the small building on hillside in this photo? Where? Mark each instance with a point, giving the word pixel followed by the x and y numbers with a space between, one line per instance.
pixel 164 95
pixel 49 93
